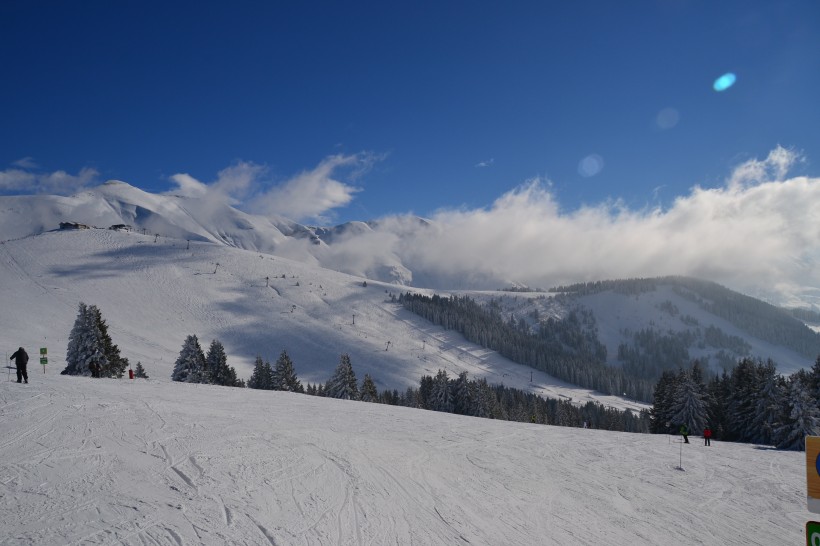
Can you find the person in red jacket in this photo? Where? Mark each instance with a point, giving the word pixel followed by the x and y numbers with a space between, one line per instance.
pixel 707 436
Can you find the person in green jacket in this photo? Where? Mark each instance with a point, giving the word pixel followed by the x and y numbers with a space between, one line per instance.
pixel 684 431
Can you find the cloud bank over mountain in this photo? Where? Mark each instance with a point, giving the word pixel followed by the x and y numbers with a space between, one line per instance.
pixel 757 232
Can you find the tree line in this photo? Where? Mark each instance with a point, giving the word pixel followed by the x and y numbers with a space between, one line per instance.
pixel 567 348
pixel 752 403
pixel 477 398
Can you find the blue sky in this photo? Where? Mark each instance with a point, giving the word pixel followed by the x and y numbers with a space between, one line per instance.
pixel 407 107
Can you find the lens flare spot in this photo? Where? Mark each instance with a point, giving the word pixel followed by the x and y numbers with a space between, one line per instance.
pixel 590 165
pixel 724 82
pixel 667 118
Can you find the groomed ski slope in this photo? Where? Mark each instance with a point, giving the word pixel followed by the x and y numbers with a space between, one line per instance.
pixel 104 461
pixel 155 291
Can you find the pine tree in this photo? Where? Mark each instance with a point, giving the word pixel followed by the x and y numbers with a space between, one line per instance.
pixel 425 391
pixel 441 396
pixel 369 393
pixel 462 397
pixel 743 398
pixel 284 376
pixel 114 365
pixel 343 383
pixel 768 406
pixel 262 375
pixel 814 383
pixel 190 364
pixel 83 348
pixel 89 343
pixel 719 393
pixel 216 365
pixel 139 371
pixel 690 408
pixel 802 419
pixel 661 413
pixel 483 398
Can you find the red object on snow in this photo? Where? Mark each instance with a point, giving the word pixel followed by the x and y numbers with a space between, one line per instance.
pixel 130 374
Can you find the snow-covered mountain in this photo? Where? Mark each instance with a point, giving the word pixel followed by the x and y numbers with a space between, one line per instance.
pixel 198 219
pixel 159 283
pixel 668 322
pixel 155 291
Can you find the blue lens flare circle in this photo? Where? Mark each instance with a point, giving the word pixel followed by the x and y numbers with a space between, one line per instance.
pixel 724 82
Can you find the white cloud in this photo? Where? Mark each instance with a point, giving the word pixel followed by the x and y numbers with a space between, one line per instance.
pixel 311 194
pixel 57 182
pixel 774 167
pixel 188 186
pixel 26 163
pixel 483 164
pixel 315 193
pixel 232 185
pixel 759 230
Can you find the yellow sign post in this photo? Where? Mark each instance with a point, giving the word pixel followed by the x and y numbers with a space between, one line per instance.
pixel 813 473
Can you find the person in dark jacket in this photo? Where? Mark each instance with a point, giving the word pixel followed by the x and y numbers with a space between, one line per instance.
pixel 20 358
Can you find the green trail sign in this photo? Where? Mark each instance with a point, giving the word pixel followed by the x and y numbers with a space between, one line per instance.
pixel 43 351
pixel 812 533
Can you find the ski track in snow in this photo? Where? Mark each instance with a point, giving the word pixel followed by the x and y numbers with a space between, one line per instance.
pixel 107 461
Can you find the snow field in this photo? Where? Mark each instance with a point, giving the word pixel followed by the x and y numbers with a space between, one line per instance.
pixel 102 461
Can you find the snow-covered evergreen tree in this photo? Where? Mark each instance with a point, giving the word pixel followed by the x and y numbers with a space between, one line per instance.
pixel 768 406
pixel 82 349
pixel 284 375
pixel 216 364
pixel 814 381
pixel 262 375
pixel 369 392
pixel 803 418
pixel 663 404
pixel 139 371
pixel 441 396
pixel 114 365
pixel 745 389
pixel 462 398
pixel 690 408
pixel 89 342
pixel 719 393
pixel 190 364
pixel 343 383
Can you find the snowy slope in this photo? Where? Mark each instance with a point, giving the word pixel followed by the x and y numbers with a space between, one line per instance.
pixel 154 294
pixel 616 313
pixel 85 461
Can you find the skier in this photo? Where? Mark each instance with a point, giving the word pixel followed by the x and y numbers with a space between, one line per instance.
pixel 20 358
pixel 707 436
pixel 684 431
